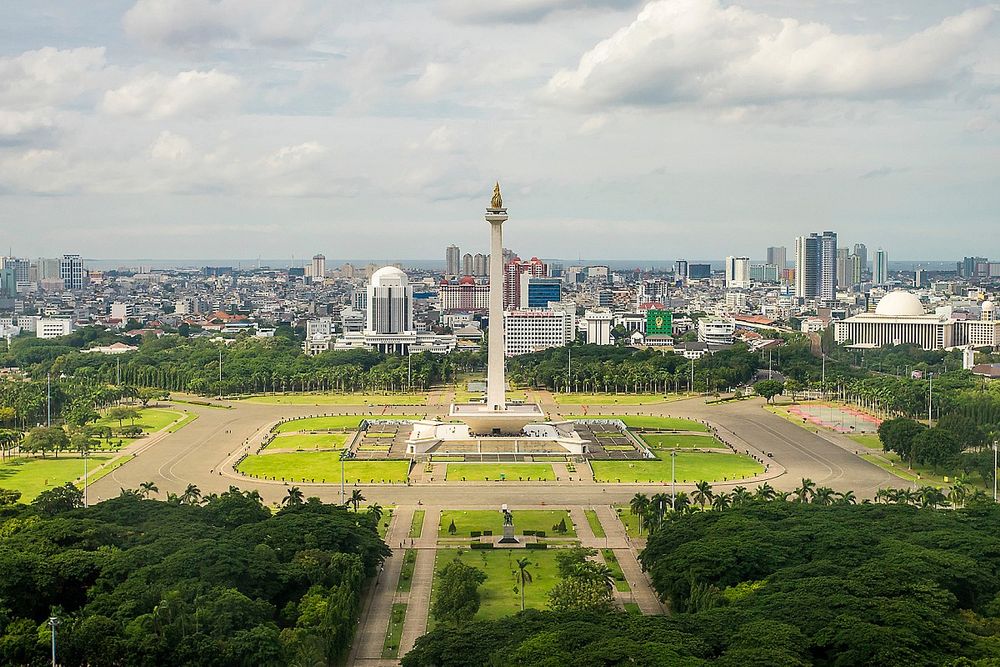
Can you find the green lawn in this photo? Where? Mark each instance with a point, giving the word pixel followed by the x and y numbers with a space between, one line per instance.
pixel 633 608
pixel 150 419
pixel 463 396
pixel 178 425
pixel 301 441
pixel 470 520
pixel 390 647
pixel 339 399
pixel 492 471
pixel 616 399
pixel 499 597
pixel 650 422
pixel 629 520
pixel 406 571
pixel 595 523
pixel 691 467
pixel 871 441
pixel 31 476
pixel 334 423
pixel 383 524
pixel 616 569
pixel 672 440
pixel 417 524
pixel 319 466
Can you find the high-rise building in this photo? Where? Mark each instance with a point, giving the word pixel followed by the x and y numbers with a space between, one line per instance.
pixel 880 269
pixel 467 268
pixel 737 271
pixel 973 267
pixel 861 250
pixel 8 286
pixel 538 292
pixel 778 256
pixel 466 295
pixel 480 265
pixel 681 269
pixel 20 266
pixel 765 273
pixel 71 272
pixel 390 302
pixel 816 266
pixel 513 270
pixel 699 271
pixel 529 330
pixel 919 278
pixel 452 256
pixel 843 266
pixel 318 267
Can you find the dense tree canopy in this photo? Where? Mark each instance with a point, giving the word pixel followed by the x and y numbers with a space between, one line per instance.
pixel 143 582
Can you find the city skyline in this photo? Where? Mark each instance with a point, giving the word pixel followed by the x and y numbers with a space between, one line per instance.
pixel 292 127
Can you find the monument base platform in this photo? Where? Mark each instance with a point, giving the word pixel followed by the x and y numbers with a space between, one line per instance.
pixel 484 421
pixel 552 438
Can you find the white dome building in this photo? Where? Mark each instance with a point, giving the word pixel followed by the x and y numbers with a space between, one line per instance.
pixel 898 319
pixel 900 304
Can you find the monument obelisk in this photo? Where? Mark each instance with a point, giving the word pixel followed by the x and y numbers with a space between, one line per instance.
pixel 496 381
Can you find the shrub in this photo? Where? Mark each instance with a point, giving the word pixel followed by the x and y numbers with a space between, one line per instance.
pixel 475 533
pixel 529 532
pixel 482 545
pixel 539 533
pixel 535 545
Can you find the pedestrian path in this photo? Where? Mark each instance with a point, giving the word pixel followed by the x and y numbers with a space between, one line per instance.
pixel 642 592
pixel 419 603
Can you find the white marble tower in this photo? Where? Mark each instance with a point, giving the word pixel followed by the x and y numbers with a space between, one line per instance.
pixel 496 381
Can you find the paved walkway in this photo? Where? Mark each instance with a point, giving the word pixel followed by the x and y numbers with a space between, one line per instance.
pixel 642 590
pixel 419 602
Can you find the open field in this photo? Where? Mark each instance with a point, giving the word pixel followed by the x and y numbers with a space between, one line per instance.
pixel 650 422
pixel 150 420
pixel 532 520
pixel 458 472
pixel 616 399
pixel 871 441
pixel 339 399
pixel 691 467
pixel 333 423
pixel 498 591
pixel 673 440
pixel 31 476
pixel 320 466
pixel 303 441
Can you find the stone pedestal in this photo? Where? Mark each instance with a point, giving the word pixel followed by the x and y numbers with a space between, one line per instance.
pixel 508 536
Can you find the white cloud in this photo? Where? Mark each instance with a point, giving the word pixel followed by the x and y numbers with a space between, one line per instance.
pixel 700 51
pixel 157 96
pixel 170 147
pixel 521 11
pixel 15 123
pixel 185 24
pixel 49 76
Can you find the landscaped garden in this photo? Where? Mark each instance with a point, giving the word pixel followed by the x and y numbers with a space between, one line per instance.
pixel 339 399
pixel 500 595
pixel 306 441
pixel 652 423
pixel 616 399
pixel 514 472
pixel 323 467
pixel 31 476
pixel 680 441
pixel 690 467
pixel 333 423
pixel 525 521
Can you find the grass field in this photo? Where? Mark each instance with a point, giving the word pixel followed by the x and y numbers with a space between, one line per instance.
pixel 339 399
pixel 334 423
pixel 469 520
pixel 390 647
pixel 319 466
pixel 629 520
pixel 150 420
pixel 673 440
pixel 691 467
pixel 178 425
pixel 406 571
pixel 650 422
pixel 616 399
pixel 633 608
pixel 871 441
pixel 616 570
pixel 31 476
pixel 492 471
pixel 500 593
pixel 417 524
pixel 303 441
pixel 595 523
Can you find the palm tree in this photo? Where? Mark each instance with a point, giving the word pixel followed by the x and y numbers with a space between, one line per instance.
pixel 721 501
pixel 294 497
pixel 660 504
pixel 847 498
pixel 702 493
pixel 764 492
pixel 783 496
pixel 147 488
pixel 958 494
pixel 523 576
pixel 356 499
pixel 681 501
pixel 638 506
pixel 191 494
pixel 376 511
pixel 931 496
pixel 824 495
pixel 740 496
pixel 805 492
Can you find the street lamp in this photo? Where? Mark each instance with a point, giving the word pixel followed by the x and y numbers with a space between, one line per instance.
pixel 673 480
pixel 53 624
pixel 346 454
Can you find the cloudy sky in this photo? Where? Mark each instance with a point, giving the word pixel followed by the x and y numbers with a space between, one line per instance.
pixel 618 129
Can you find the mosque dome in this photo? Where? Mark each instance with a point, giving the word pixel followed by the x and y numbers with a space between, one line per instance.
pixel 388 275
pixel 899 304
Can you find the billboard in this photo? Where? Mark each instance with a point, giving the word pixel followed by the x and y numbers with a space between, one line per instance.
pixel 659 323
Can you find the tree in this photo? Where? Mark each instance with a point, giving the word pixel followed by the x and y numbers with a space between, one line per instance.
pixel 523 576
pixel 294 497
pixel 147 488
pixel 120 414
pixel 937 447
pixel 147 394
pixel 639 505
pixel 376 511
pixel 457 599
pixel 192 494
pixel 452 529
pixel 769 388
pixel 805 491
pixel 60 499
pixel 702 493
pixel 585 586
pixel 356 498
pixel 9 496
pixel 46 439
pixel 898 435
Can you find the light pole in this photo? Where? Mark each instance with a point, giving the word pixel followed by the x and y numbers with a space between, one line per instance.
pixel 346 454
pixel 48 399
pixel 86 458
pixel 930 399
pixel 53 624
pixel 673 480
pixel 994 471
pixel 220 373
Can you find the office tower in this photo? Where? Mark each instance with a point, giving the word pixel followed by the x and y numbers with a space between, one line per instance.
pixel 765 273
pixel 318 267
pixel 699 271
pixel 880 270
pixel 8 284
pixel 844 265
pixel 20 266
pixel 778 256
pixel 828 265
pixel 857 274
pixel 390 302
pixel 512 273
pixel 480 265
pixel 467 264
pixel 816 266
pixel 972 267
pixel 861 250
pixel 538 292
pixel 452 256
pixel 737 271
pixel 71 271
pixel 680 269
pixel 919 278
